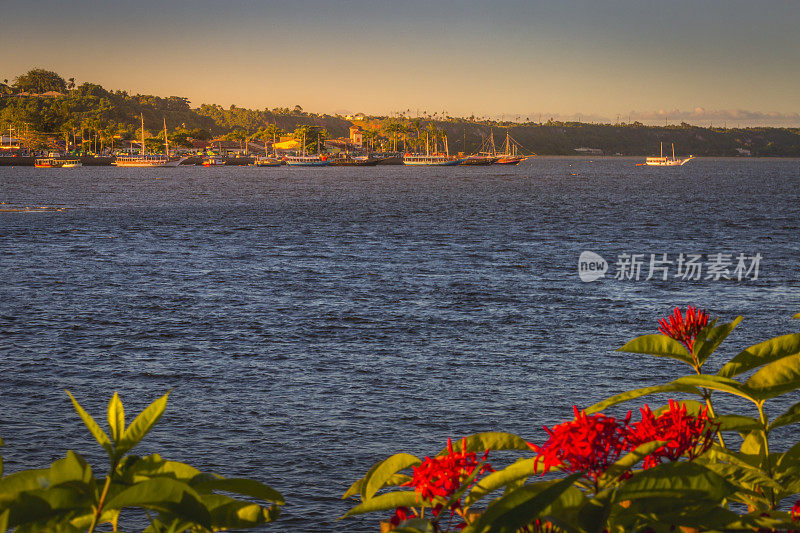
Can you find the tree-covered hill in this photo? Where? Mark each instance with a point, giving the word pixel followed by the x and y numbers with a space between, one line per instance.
pixel 40 104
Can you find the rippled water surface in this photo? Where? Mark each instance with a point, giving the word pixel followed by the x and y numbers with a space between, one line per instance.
pixel 314 321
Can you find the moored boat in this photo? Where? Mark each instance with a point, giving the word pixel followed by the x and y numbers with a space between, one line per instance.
pixel 71 163
pixel 47 163
pixel 145 160
pixel 478 160
pixel 436 160
pixel 213 161
pixel 511 153
pixel 306 161
pixel 263 161
pixel 662 161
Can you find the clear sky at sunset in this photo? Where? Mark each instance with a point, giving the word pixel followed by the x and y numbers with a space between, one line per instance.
pixel 712 60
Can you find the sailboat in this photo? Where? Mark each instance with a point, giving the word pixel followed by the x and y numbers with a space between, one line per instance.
pixel 266 160
pixel 431 160
pixel 486 156
pixel 145 160
pixel 662 161
pixel 510 155
pixel 307 160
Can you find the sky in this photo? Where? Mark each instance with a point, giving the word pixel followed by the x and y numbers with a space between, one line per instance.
pixel 700 61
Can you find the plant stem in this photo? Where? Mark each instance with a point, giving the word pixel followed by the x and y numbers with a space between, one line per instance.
pixel 100 504
pixel 707 396
pixel 767 462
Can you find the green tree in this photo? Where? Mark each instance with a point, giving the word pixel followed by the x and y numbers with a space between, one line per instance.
pixel 39 80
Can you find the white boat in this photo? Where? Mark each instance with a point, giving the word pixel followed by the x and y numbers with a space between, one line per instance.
pixel 71 163
pixel 144 160
pixel 422 160
pixel 213 161
pixel 306 161
pixel 662 161
pixel 431 160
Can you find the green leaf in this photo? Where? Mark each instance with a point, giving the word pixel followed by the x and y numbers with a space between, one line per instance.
pixel 685 480
pixel 693 407
pixel 152 491
pixel 718 383
pixel 73 468
pixel 354 489
pixel 753 444
pixel 737 423
pixel 23 481
pixel 116 417
pixel 797 316
pixel 519 508
pixel 142 424
pixel 383 502
pixel 382 472
pixel 490 440
pixel 521 469
pixel 791 416
pixel 134 469
pixel 243 486
pixel 789 458
pixel 707 345
pixel 660 346
pixel 227 513
pixel 165 495
pixel 99 435
pixel 761 354
pixel 637 393
pixel 776 378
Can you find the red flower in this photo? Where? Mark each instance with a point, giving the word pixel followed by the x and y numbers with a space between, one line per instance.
pixel 682 329
pixel 440 477
pixel 401 514
pixel 684 434
pixel 796 511
pixel 587 444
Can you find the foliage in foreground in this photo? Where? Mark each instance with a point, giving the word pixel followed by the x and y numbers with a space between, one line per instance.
pixel 682 467
pixel 173 497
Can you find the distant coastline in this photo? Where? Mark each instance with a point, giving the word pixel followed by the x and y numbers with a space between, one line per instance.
pixel 41 108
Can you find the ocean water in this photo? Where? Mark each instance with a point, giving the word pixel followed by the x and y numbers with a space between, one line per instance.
pixel 311 322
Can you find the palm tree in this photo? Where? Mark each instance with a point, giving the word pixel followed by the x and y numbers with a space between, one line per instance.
pixel 274 130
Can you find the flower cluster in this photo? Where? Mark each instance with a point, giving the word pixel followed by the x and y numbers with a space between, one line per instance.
pixel 441 476
pixel 401 514
pixel 592 443
pixel 684 329
pixel 796 511
pixel 682 433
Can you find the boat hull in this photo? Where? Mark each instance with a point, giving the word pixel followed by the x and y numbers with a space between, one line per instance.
pixel 307 163
pixel 421 164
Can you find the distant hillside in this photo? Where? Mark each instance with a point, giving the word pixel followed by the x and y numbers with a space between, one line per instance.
pixel 41 105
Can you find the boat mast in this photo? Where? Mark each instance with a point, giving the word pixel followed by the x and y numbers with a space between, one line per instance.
pixel 166 141
pixel 662 148
pixel 673 151
pixel 143 150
